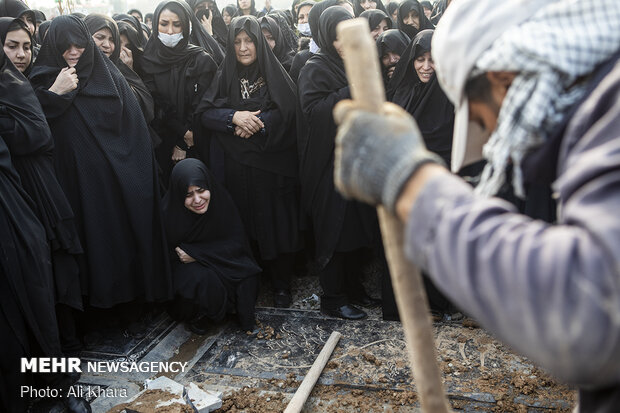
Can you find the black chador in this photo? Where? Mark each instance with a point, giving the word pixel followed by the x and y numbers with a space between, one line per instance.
pixel 259 171
pixel 342 228
pixel 393 41
pixel 177 78
pixel 425 101
pixel 96 22
pixel 28 137
pixel 104 163
pixel 223 277
pixel 282 50
pixel 358 9
pixel 405 8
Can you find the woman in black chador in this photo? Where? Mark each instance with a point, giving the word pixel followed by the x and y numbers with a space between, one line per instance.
pixel 411 18
pixel 104 163
pixel 414 87
pixel 214 271
pixel 27 315
pixel 249 114
pixel 275 39
pixel 342 228
pixel 28 137
pixel 177 73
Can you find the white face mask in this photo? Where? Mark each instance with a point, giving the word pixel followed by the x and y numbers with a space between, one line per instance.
pixel 170 40
pixel 304 28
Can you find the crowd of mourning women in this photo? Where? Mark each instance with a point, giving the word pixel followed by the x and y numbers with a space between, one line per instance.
pixel 184 158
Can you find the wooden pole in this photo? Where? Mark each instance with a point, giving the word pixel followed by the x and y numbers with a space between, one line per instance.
pixel 362 67
pixel 302 393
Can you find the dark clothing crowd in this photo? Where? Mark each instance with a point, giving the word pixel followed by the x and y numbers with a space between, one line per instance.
pixel 182 159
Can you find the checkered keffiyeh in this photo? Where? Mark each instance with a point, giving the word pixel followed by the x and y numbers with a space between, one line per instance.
pixel 551 51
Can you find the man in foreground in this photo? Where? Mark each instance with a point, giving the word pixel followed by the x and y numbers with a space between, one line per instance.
pixel 542 79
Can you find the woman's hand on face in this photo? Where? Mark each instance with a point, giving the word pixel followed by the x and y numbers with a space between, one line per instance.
pixel 207 23
pixel 127 57
pixel 248 121
pixel 66 81
pixel 185 259
pixel 178 154
pixel 242 133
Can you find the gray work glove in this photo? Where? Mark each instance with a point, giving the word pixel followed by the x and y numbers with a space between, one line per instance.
pixel 376 154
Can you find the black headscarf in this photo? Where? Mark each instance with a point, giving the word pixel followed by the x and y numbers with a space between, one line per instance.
pixel 375 17
pixel 439 10
pixel 132 11
pixel 322 83
pixel 393 41
pixel 177 76
pixel 403 11
pixel 253 11
pixel 274 152
pixel 282 49
pixel 426 102
pixel 286 28
pixel 358 9
pixel 391 8
pixel 30 142
pixel 40 16
pixel 101 123
pixel 96 22
pixel 198 35
pixel 216 239
pixel 7 23
pixel 231 9
pixel 42 30
pixel 315 15
pixel 135 23
pixel 17 9
pixel 220 30
pixel 293 12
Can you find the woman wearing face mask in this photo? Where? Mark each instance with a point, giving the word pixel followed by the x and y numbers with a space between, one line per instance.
pixel 214 271
pixel 249 116
pixel 177 73
pixel 104 162
pixel 411 18
pixel 17 43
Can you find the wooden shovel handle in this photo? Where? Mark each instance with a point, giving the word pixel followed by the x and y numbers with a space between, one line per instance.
pixel 366 84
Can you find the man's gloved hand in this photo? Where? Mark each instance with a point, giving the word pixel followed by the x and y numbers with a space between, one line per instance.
pixel 376 154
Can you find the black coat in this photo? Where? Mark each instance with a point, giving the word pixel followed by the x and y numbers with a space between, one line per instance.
pixel 259 172
pixel 215 239
pixel 28 137
pixel 426 102
pixel 104 162
pixel 339 225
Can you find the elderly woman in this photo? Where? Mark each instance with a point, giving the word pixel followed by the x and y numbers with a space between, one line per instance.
pixel 249 115
pixel 104 162
pixel 214 271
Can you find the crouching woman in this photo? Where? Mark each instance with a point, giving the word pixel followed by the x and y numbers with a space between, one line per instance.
pixel 214 272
